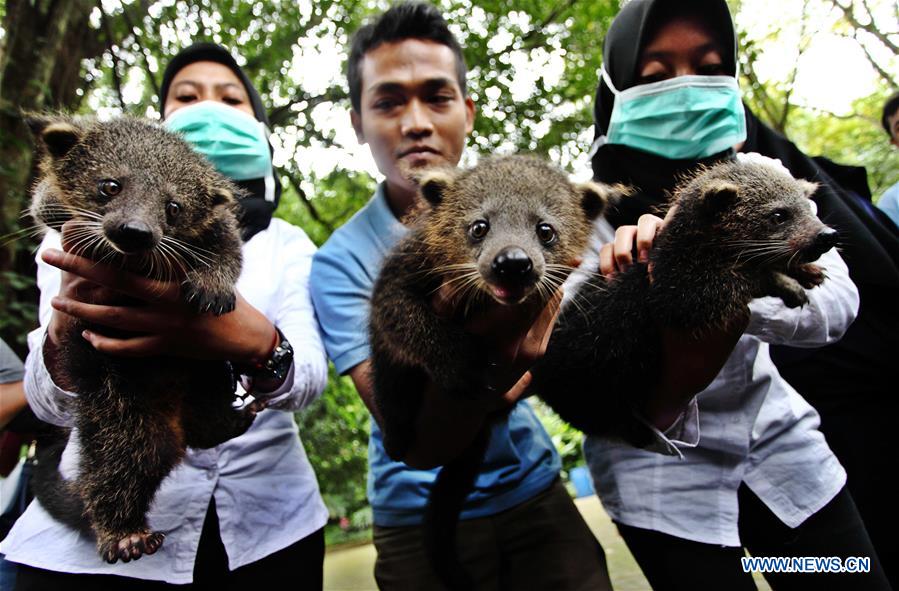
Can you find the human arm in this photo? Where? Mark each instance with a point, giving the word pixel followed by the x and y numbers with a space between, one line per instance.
pixel 12 391
pixel 50 401
pixel 165 324
pixel 285 258
pixel 446 425
pixel 889 203
pixel 688 363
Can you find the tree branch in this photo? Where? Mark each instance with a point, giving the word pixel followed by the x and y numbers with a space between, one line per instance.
pixel 116 79
pixel 281 115
pixel 883 73
pixel 761 93
pixel 788 92
pixel 141 49
pixel 849 15
pixel 533 37
pixel 854 115
pixel 304 199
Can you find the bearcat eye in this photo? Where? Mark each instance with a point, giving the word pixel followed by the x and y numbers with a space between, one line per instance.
pixel 109 187
pixel 478 229
pixel 546 233
pixel 780 216
pixel 172 210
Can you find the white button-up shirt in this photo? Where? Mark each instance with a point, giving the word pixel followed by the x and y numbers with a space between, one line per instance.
pixel 266 494
pixel 753 428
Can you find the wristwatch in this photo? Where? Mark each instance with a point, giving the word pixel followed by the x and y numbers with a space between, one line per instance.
pixel 275 367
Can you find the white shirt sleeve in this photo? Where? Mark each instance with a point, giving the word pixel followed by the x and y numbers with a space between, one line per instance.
pixel 295 317
pixel 49 402
pixel 831 308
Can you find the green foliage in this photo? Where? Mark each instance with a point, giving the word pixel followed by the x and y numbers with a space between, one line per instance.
pixel 334 430
pixel 858 139
pixel 567 439
pixel 337 197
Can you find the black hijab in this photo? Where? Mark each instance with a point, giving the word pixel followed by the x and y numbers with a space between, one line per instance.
pixel 653 176
pixel 870 247
pixel 833 376
pixel 255 211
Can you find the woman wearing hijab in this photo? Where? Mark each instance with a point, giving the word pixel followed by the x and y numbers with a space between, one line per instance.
pixel 246 512
pixel 761 476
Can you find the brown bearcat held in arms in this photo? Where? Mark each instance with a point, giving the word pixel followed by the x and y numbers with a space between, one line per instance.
pixel 137 196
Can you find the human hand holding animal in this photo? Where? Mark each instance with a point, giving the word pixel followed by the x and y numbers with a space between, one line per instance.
pixel 515 338
pixel 689 363
pixel 618 255
pixel 163 321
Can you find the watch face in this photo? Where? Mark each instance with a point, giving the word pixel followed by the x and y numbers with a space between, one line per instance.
pixel 281 358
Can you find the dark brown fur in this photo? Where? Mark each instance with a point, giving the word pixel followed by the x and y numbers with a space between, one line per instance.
pixel 740 231
pixel 135 417
pixel 511 264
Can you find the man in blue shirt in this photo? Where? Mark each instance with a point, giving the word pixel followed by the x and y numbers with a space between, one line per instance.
pixel 889 201
pixel 519 527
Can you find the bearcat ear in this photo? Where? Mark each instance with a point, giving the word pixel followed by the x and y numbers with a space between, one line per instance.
pixel 718 196
pixel 596 197
pixel 808 187
pixel 434 185
pixel 55 133
pixel 222 195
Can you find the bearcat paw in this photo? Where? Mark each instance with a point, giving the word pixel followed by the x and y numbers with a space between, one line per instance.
pixel 809 275
pixel 130 546
pixel 216 302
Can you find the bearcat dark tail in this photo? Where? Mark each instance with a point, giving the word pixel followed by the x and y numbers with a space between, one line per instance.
pixel 454 482
pixel 55 494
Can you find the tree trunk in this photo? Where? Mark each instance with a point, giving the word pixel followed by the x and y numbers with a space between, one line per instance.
pixel 40 67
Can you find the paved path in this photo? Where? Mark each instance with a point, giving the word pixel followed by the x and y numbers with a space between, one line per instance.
pixel 351 569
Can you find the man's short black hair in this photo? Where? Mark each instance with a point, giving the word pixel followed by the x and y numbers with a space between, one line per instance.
pixel 889 109
pixel 405 20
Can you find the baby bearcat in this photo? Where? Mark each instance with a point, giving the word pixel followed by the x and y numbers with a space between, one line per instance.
pixel 505 232
pixel 739 231
pixel 141 198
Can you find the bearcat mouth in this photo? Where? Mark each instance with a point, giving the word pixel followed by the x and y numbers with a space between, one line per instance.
pixel 510 295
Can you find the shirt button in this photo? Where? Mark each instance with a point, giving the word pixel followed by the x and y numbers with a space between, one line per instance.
pixel 210 474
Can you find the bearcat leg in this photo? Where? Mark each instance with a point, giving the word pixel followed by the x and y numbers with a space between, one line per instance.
pixel 125 455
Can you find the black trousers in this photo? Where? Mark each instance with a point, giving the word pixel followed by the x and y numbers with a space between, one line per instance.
pixel 672 563
pixel 542 544
pixel 300 564
pixel 859 435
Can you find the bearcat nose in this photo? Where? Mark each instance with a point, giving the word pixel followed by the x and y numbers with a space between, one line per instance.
pixel 132 236
pixel 826 239
pixel 512 264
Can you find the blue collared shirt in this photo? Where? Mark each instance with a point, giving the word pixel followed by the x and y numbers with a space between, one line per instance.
pixel 521 460
pixel 889 203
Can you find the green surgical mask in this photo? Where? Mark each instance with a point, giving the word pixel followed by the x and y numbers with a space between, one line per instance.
pixel 233 141
pixel 686 117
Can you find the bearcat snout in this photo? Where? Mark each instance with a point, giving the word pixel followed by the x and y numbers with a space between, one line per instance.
pixel 132 236
pixel 512 264
pixel 824 240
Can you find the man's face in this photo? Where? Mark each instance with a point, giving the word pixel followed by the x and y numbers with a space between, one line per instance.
pixel 893 123
pixel 413 114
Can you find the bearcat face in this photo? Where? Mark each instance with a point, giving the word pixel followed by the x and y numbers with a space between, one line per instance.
pixel 760 215
pixel 510 227
pixel 134 188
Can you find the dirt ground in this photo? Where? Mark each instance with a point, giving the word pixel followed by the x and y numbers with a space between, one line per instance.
pixel 350 569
